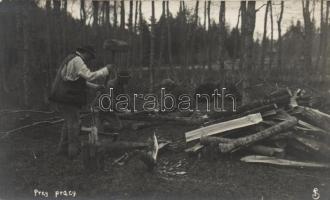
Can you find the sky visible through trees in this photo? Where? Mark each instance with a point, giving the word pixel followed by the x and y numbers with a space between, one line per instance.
pixel 293 12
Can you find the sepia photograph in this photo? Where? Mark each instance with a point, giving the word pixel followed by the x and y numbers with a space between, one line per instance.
pixel 164 99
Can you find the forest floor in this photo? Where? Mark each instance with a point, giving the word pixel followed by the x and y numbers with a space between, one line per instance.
pixel 28 162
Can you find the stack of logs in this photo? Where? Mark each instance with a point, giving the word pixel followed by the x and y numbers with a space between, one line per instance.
pixel 280 127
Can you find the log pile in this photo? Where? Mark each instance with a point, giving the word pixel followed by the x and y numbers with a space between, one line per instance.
pixel 275 131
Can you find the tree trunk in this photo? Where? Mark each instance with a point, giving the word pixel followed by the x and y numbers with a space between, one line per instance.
pixel 136 16
pixel 152 47
pixel 264 38
pixel 248 49
pixel 319 55
pixel 107 15
pixel 64 28
pixel 49 74
pixel 209 37
pixel 325 42
pixel 130 37
pixel 82 12
pixel 271 56
pixel 307 37
pixel 222 33
pixel 95 13
pixel 243 33
pixel 162 37
pixel 169 38
pixel 141 39
pixel 115 19
pixel 279 41
pixel 122 15
pixel 26 56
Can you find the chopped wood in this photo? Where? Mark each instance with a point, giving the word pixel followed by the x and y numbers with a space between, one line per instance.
pixel 282 162
pixel 316 146
pixel 267 151
pixel 248 140
pixel 194 148
pixel 315 117
pixel 249 120
pixel 206 140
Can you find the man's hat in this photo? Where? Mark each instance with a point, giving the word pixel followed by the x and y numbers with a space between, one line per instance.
pixel 87 49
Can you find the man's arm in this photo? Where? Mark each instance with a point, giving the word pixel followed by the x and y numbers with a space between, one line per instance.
pixel 86 73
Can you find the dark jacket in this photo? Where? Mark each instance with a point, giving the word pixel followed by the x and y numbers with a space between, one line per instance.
pixel 68 92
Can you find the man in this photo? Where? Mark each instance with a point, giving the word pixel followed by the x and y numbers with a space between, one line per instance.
pixel 69 91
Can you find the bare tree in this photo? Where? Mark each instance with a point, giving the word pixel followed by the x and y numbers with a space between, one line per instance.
pixel 115 18
pixel 222 32
pixel 279 41
pixel 325 40
pixel 95 13
pixel 271 46
pixel 243 33
pixel 152 46
pixel 169 35
pixel 122 15
pixel 248 50
pixel 264 38
pixel 307 35
pixel 82 12
pixel 130 30
pixel 136 15
pixel 162 34
pixel 26 50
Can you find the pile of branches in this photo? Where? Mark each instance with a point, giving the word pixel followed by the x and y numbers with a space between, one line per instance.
pixel 281 129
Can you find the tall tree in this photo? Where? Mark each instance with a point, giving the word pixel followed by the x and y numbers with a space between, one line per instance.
pixel 264 38
pixel 243 33
pixel 136 15
pixel 122 15
pixel 130 32
pixel 26 55
pixel 271 46
pixel 307 35
pixel 95 5
pixel 115 19
pixel 169 37
pixel 222 32
pixel 152 46
pixel 279 41
pixel 248 50
pixel 162 34
pixel 325 53
pixel 82 12
pixel 209 36
pixel 141 37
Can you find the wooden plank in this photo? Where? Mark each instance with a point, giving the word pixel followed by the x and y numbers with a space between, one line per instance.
pixel 282 162
pixel 223 126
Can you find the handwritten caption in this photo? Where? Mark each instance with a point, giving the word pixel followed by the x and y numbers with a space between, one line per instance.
pixel 56 193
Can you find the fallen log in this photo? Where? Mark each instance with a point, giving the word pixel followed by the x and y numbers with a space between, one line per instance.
pixel 267 151
pixel 206 140
pixel 266 133
pixel 315 117
pixel 282 162
pixel 314 145
pixel 223 126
